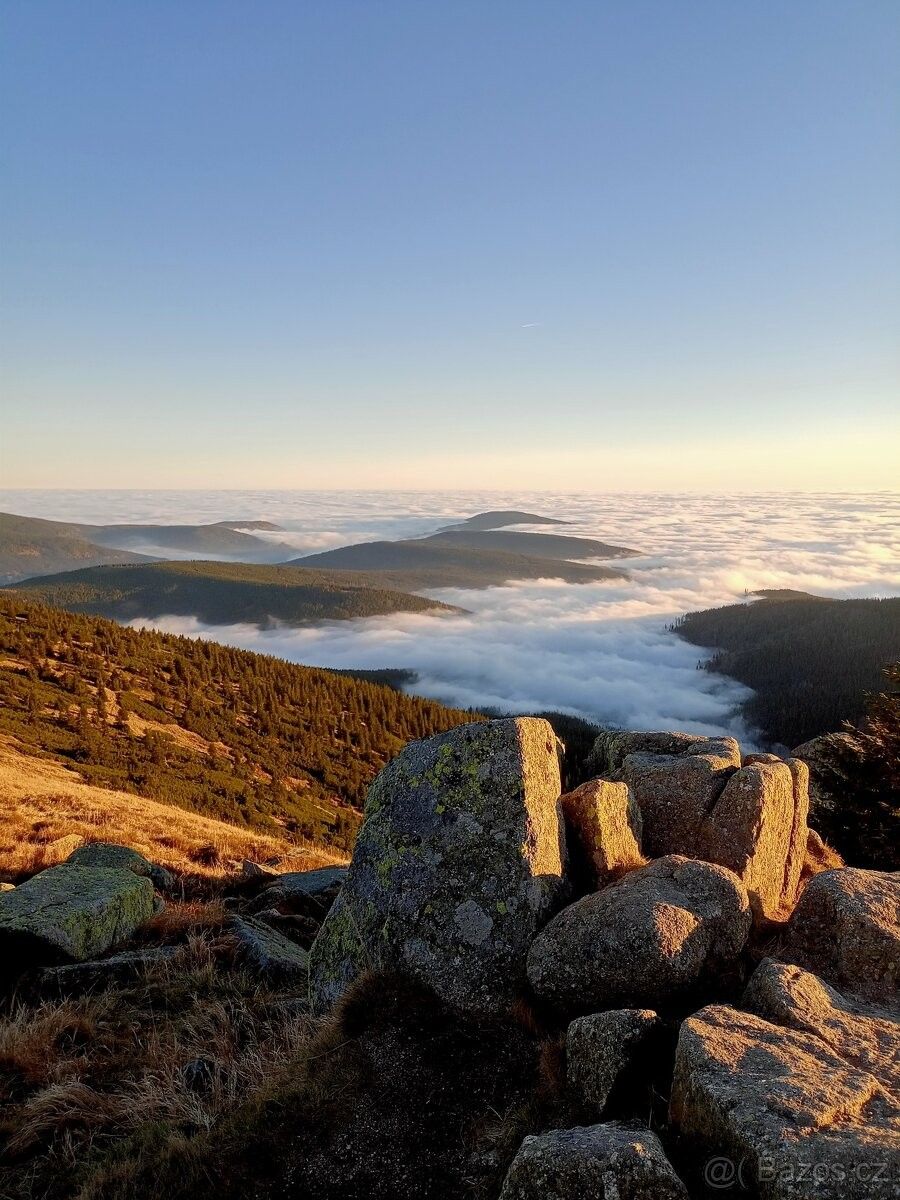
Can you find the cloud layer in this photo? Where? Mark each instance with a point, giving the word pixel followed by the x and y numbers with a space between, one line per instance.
pixel 599 650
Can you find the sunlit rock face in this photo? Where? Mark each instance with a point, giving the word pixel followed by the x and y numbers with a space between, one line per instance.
pixel 458 864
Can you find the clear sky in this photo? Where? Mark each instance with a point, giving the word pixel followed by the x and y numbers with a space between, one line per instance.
pixel 462 243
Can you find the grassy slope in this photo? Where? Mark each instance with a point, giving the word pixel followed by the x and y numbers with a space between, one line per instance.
pixel 264 744
pixel 434 564
pixel 220 593
pixel 809 661
pixel 42 801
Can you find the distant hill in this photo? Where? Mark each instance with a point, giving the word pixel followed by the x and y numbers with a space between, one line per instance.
pixel 540 545
pixel 810 661
pixel 433 563
pixel 222 539
pixel 498 518
pixel 244 738
pixel 31 546
pixel 221 593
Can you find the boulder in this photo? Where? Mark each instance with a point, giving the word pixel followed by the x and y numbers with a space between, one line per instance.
pixel 605 825
pixel 71 913
pixel 862 1035
pixel 600 1047
pixel 458 864
pixel 648 939
pixel 593 1162
pixel 757 828
pixel 781 1112
pixel 846 928
pixel 309 892
pixel 269 952
pixel 613 746
pixel 675 794
pixel 102 972
pixel 121 858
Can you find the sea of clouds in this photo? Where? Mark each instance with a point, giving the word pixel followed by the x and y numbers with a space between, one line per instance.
pixel 599 650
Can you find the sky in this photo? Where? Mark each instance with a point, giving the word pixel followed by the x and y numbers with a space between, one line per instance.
pixel 618 246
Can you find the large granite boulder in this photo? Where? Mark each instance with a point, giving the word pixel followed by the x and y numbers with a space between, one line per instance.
pixel 846 928
pixel 70 913
pixel 675 793
pixel 860 1034
pixel 603 1046
pixel 613 746
pixel 458 864
pixel 783 1113
pixel 592 1162
pixel 605 827
pixel 647 940
pixel 308 892
pixel 757 828
pixel 122 858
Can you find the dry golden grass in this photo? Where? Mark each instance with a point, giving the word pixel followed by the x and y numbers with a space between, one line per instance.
pixel 163 1057
pixel 42 802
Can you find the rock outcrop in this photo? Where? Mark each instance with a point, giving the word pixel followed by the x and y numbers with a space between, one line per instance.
pixel 604 824
pixel 648 940
pixel 757 828
pixel 675 793
pixel 846 928
pixel 269 952
pixel 600 1048
pixel 863 1035
pixel 786 1114
pixel 70 913
pixel 600 1162
pixel 458 864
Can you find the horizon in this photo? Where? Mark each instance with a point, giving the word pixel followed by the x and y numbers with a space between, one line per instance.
pixel 474 248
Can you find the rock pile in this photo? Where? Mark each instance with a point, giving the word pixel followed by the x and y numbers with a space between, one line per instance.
pixel 632 912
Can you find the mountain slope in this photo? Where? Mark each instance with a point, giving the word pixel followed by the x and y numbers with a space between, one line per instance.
pixel 223 539
pixel 541 545
pixel 433 563
pixel 497 518
pixel 220 593
pixel 809 661
pixel 32 546
pixel 240 737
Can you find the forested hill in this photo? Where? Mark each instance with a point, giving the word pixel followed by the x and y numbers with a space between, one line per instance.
pixel 810 661
pixel 239 736
pixel 221 593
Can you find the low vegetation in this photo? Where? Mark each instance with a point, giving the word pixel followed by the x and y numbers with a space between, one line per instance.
pixel 266 745
pixel 811 662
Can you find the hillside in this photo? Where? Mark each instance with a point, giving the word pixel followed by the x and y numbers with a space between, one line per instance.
pixel 221 593
pixel 31 546
pixel 497 518
pixel 433 563
pixel 252 740
pixel 540 545
pixel 44 806
pixel 224 539
pixel 810 661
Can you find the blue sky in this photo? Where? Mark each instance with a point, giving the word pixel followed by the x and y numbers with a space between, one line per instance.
pixel 584 245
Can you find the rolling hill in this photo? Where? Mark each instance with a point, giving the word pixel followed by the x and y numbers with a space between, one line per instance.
pixel 286 750
pixel 810 660
pixel 221 593
pixel 433 563
pixel 31 546
pixel 540 545
pixel 497 518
